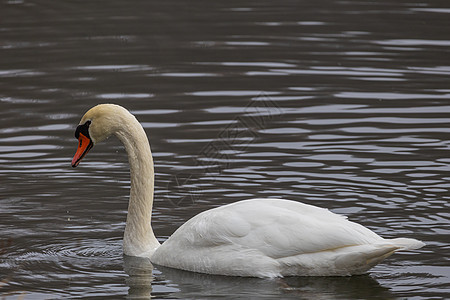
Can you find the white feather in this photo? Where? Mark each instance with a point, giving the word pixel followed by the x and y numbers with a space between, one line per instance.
pixel 274 237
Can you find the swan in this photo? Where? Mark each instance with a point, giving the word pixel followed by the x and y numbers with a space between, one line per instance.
pixel 250 238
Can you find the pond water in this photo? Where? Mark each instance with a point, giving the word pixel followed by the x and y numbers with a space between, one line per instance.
pixel 339 104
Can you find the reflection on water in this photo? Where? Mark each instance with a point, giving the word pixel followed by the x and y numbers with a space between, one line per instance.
pixel 197 286
pixel 340 104
pixel 188 285
pixel 140 271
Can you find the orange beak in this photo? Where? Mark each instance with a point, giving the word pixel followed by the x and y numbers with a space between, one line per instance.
pixel 84 145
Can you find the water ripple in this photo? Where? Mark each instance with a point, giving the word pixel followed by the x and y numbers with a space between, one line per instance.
pixel 320 104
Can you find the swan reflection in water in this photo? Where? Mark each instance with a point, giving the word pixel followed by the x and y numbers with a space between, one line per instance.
pixel 140 276
pixel 143 278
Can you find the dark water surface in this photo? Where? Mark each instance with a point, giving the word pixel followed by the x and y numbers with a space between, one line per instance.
pixel 340 104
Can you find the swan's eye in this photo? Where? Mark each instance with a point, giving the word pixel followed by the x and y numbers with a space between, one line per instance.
pixel 84 129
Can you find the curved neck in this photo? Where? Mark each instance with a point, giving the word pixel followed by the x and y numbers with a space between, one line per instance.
pixel 139 239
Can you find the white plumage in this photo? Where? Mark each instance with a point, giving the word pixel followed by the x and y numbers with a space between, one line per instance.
pixel 257 237
pixel 275 237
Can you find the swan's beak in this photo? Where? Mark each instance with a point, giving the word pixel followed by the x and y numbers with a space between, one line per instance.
pixel 84 145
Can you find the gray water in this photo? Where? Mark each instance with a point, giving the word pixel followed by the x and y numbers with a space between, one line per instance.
pixel 339 104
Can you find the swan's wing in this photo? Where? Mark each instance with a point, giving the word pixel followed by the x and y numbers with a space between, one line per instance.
pixel 273 227
pixel 273 237
pixel 279 228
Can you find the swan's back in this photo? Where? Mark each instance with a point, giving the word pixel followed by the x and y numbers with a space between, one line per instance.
pixel 275 237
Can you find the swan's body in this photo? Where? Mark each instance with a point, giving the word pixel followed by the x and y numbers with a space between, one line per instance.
pixel 257 237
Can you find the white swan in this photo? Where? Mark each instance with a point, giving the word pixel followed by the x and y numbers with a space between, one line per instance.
pixel 256 238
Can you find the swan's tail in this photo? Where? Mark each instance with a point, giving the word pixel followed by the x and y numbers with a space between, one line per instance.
pixel 359 259
pixel 406 244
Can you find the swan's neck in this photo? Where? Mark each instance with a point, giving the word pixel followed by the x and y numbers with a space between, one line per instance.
pixel 139 239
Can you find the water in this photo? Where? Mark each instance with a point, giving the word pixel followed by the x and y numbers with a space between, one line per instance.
pixel 340 104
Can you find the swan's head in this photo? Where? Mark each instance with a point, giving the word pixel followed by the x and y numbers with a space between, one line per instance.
pixel 97 124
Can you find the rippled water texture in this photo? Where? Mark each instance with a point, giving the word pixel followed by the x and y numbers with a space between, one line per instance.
pixel 340 104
